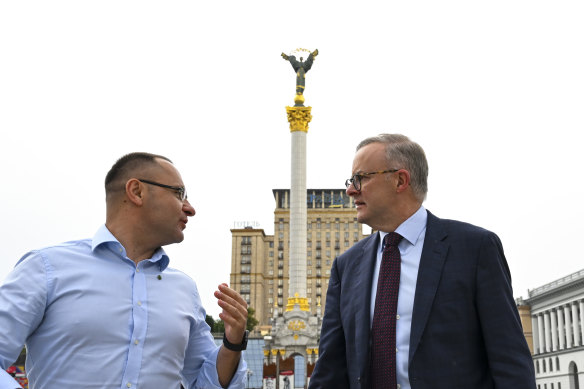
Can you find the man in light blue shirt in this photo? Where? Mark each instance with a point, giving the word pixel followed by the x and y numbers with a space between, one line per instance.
pixel 108 312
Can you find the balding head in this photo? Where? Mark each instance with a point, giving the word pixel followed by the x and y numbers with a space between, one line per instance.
pixel 129 166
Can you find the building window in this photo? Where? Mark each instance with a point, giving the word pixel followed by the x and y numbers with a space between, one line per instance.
pixel 308 290
pixel 309 226
pixel 281 225
pixel 245 279
pixel 308 244
pixel 346 243
pixel 246 268
pixel 270 301
pixel 346 226
pixel 309 272
pixel 280 282
pixel 309 262
pixel 328 225
pixel 270 272
pixel 328 253
pixel 280 300
pixel 280 273
pixel 271 245
pixel 280 235
pixel 318 235
pixel 309 253
pixel 245 259
pixel 557 363
pixel 245 288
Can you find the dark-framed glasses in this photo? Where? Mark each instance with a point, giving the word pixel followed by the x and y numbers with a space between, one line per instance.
pixel 180 190
pixel 356 179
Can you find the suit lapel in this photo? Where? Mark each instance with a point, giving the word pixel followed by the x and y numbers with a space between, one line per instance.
pixel 362 293
pixel 429 274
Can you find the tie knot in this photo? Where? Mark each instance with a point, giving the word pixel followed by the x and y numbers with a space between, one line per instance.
pixel 392 239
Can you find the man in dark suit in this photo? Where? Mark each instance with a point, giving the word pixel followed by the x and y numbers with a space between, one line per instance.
pixel 455 322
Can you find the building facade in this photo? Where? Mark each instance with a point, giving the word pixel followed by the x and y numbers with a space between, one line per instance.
pixel 557 324
pixel 260 262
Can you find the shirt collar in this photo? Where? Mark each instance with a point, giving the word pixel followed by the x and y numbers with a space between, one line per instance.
pixel 412 228
pixel 103 236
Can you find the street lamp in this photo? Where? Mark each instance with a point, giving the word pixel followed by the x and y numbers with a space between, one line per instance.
pixel 249 373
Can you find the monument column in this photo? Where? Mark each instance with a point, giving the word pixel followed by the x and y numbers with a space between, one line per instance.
pixel 299 117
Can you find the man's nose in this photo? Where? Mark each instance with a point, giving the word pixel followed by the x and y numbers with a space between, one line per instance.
pixel 188 208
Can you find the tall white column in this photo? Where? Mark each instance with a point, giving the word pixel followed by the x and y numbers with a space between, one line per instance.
pixel 561 331
pixel 298 216
pixel 582 321
pixel 547 332
pixel 540 333
pixel 535 332
pixel 575 322
pixel 568 326
pixel 554 330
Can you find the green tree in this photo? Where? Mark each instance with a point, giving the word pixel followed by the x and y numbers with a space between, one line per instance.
pixel 210 321
pixel 251 320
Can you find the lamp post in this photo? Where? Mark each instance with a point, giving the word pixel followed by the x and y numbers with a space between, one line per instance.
pixel 249 373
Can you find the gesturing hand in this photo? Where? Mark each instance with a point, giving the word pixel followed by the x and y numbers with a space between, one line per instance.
pixel 234 314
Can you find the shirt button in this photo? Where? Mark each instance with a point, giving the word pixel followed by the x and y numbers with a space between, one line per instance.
pixel 396 350
pixel 136 342
pixel 129 385
pixel 397 317
pixel 398 386
pixel 137 270
pixel 140 303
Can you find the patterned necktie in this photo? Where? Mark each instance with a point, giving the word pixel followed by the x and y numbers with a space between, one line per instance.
pixel 383 348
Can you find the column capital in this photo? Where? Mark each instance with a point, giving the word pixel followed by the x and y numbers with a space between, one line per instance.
pixel 299 117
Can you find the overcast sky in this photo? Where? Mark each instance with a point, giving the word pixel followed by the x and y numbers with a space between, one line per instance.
pixel 493 91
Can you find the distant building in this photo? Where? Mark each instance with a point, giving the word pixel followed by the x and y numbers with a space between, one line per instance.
pixel 260 262
pixel 557 331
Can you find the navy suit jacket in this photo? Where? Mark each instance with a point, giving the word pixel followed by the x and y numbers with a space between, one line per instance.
pixel 465 333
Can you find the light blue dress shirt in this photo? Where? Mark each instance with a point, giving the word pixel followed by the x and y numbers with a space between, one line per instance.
pixel 91 318
pixel 413 231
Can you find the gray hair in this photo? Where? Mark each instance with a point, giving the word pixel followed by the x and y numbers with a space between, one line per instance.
pixel 407 155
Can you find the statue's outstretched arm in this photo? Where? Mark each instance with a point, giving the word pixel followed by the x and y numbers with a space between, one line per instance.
pixel 285 56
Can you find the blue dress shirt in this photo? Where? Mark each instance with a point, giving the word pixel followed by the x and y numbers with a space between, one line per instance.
pixel 413 231
pixel 91 318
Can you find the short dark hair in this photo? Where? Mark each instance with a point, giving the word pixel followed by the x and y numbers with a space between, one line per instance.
pixel 126 165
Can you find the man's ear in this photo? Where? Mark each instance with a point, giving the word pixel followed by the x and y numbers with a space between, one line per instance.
pixel 403 180
pixel 134 191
